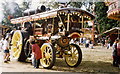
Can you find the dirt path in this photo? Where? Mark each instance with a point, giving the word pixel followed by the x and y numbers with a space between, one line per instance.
pixel 94 60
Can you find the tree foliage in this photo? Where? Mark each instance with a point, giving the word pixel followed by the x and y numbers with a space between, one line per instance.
pixel 56 5
pixel 103 22
pixel 12 10
pixel 76 4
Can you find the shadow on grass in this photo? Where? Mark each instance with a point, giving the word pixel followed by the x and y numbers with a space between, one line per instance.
pixel 86 66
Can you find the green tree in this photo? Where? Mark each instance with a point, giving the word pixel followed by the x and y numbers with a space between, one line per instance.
pixel 76 4
pixel 103 23
pixel 11 10
pixel 25 5
pixel 56 5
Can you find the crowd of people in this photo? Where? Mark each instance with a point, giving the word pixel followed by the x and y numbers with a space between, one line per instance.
pixel 87 42
pixel 36 52
pixel 105 41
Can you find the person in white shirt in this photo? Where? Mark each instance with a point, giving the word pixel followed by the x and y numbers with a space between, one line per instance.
pixel 1 43
pixel 6 50
pixel 87 43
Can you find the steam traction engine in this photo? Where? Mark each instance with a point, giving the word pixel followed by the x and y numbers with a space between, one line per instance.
pixel 53 31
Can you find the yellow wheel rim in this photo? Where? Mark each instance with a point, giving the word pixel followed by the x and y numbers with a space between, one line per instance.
pixel 16 44
pixel 74 56
pixel 46 55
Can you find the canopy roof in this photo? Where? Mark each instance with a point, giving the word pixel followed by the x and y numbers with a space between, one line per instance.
pixel 114 14
pixel 51 14
pixel 111 31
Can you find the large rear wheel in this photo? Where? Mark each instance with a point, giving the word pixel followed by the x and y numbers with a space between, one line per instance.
pixel 74 55
pixel 17 46
pixel 48 56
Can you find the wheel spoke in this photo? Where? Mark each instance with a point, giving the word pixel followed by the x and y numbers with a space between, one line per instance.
pixel 73 60
pixel 50 53
pixel 76 54
pixel 74 50
pixel 48 50
pixel 44 59
pixel 16 44
pixel 16 53
pixel 50 56
pixel 44 52
pixel 48 61
pixel 47 58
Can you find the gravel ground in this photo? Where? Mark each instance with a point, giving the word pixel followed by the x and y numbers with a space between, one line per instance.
pixel 98 59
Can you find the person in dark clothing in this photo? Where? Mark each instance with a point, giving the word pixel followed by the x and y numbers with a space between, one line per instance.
pixel 103 42
pixel 115 56
pixel 118 54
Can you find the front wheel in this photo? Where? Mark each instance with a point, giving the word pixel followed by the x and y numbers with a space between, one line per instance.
pixel 74 55
pixel 48 56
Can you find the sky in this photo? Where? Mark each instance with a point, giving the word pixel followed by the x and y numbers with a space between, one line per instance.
pixel 1 13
